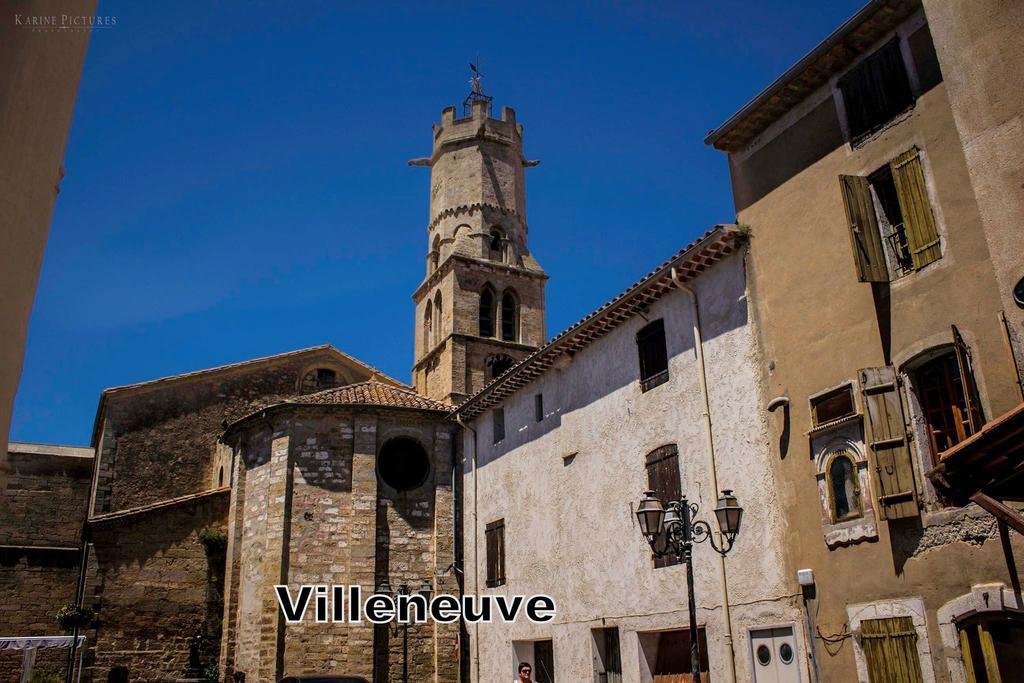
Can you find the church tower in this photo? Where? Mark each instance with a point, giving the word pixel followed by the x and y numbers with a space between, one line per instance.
pixel 480 308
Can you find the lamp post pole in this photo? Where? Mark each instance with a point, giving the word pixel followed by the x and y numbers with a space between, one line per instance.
pixel 403 589
pixel 675 524
pixel 687 548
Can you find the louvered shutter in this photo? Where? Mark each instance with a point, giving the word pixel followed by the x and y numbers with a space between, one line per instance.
pixel 890 650
pixel 494 534
pixel 887 439
pixel 865 239
pixel 663 479
pixel 963 360
pixel 918 220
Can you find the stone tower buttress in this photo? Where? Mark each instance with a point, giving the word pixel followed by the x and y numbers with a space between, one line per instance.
pixel 480 307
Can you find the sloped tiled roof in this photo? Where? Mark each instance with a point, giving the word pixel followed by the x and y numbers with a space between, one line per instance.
pixel 328 348
pixel 373 393
pixel 370 393
pixel 698 256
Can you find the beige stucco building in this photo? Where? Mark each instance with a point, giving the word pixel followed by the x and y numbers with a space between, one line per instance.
pixel 879 179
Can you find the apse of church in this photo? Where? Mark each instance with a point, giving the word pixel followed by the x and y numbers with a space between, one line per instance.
pixel 480 307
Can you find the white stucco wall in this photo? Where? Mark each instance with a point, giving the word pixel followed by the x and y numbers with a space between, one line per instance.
pixel 570 530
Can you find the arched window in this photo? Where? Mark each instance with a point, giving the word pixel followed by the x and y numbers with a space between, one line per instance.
pixel 487 312
pixel 509 317
pixel 319 379
pixel 428 321
pixel 438 318
pixel 844 488
pixel 495 245
pixel 435 253
pixel 498 365
pixel 220 476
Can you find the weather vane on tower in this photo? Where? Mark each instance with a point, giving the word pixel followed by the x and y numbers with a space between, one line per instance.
pixel 477 92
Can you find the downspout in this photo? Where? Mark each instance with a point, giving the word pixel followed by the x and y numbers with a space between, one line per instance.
pixel 698 345
pixel 476 553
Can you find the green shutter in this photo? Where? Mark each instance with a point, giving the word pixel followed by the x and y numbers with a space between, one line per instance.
pixel 864 237
pixel 890 650
pixel 887 439
pixel 918 221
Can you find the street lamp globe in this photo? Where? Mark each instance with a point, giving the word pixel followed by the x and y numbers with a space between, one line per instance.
pixel 729 514
pixel 427 589
pixel 650 513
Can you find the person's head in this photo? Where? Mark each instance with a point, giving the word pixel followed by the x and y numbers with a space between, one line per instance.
pixel 525 670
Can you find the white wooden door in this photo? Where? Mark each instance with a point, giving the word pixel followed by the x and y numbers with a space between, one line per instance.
pixel 774 654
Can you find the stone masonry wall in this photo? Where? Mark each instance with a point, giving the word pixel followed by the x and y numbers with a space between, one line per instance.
pixel 165 436
pixel 42 506
pixel 156 589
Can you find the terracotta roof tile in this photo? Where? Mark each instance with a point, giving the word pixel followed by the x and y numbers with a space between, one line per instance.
pixel 373 393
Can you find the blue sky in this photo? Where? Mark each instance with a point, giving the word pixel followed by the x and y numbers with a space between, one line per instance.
pixel 237 183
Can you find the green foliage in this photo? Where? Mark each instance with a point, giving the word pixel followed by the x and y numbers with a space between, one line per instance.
pixel 47 673
pixel 213 539
pixel 69 616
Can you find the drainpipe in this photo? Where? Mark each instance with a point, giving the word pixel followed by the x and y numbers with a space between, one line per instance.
pixel 476 553
pixel 698 345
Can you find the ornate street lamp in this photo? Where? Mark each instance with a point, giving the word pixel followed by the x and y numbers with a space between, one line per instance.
pixel 427 591
pixel 681 531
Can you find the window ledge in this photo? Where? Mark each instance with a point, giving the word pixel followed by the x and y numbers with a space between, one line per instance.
pixel 832 424
pixel 653 381
pixel 852 531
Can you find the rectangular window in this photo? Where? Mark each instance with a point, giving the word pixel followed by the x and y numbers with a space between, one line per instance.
pixel 663 479
pixel 668 652
pixel 498 426
pixel 833 405
pixel 538 407
pixel 494 535
pixel 876 91
pixel 892 227
pixel 890 650
pixel 650 343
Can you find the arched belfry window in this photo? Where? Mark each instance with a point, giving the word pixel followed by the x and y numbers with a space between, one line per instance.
pixel 435 253
pixel 428 320
pixel 438 317
pixel 498 365
pixel 487 311
pixel 844 487
pixel 509 317
pixel 496 245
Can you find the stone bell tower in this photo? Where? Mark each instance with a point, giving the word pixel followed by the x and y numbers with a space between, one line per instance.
pixel 480 308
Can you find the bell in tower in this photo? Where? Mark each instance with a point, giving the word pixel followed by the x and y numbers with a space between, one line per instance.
pixel 480 307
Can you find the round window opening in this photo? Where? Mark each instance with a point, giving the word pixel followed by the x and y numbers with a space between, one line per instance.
pixel 786 653
pixel 403 464
pixel 764 655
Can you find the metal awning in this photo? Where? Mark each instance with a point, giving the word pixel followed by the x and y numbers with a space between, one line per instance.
pixel 29 644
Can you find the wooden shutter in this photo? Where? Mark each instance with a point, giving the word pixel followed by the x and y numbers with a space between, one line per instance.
pixel 663 479
pixel 918 221
pixel 887 438
pixel 494 534
pixel 865 239
pixel 963 359
pixel 890 650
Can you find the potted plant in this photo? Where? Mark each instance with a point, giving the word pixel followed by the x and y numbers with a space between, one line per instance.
pixel 70 617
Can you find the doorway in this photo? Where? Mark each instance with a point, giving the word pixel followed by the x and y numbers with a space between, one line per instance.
pixel 992 646
pixel 774 655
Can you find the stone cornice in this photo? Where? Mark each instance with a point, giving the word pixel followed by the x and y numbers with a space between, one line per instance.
pixel 470 209
pixel 448 264
pixel 440 346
